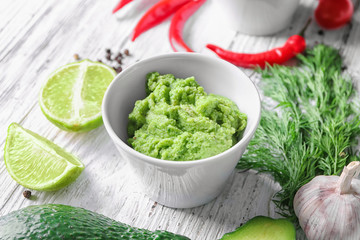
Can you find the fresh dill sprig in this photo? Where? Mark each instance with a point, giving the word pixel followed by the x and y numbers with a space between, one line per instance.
pixel 313 129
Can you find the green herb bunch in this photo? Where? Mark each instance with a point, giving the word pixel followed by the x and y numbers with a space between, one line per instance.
pixel 313 129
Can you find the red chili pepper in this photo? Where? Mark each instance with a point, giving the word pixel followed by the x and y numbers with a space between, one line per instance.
pixel 332 14
pixel 120 5
pixel 157 14
pixel 293 46
pixel 178 22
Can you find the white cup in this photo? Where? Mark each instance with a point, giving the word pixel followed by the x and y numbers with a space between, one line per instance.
pixel 180 184
pixel 257 17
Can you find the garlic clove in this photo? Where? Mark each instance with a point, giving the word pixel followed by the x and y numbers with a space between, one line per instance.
pixel 328 207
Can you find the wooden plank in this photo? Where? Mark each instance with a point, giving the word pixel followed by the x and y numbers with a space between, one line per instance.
pixel 351 49
pixel 37 37
pixel 245 196
pixel 94 189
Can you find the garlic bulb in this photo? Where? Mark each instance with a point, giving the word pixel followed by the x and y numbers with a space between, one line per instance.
pixel 328 207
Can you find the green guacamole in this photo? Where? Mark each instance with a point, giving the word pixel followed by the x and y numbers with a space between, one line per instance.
pixel 179 121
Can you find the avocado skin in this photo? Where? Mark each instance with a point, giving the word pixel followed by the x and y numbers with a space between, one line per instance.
pixel 263 228
pixel 55 221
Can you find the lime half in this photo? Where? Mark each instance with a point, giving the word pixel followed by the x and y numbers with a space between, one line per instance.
pixel 71 97
pixel 37 163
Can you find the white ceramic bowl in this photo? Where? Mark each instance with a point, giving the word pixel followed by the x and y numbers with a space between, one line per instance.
pixel 257 17
pixel 180 184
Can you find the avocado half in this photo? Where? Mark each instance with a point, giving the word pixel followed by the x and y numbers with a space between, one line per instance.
pixel 55 221
pixel 263 228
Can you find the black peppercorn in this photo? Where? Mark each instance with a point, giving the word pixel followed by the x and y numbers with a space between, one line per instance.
pixel 27 194
pixel 76 56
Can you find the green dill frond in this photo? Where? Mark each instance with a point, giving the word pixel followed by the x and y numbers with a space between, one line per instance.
pixel 313 129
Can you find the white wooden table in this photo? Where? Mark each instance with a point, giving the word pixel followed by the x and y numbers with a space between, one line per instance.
pixel 38 36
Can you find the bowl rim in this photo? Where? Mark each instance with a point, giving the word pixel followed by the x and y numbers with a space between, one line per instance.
pixel 163 162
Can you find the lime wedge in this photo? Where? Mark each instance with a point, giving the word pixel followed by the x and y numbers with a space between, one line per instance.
pixel 71 97
pixel 37 163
